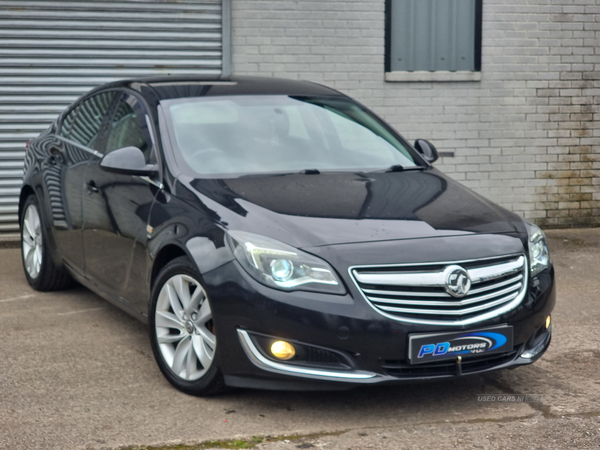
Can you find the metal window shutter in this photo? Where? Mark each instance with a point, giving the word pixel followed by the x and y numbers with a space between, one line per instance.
pixel 432 35
pixel 52 51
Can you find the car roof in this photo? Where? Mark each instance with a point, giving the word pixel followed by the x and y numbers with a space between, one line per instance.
pixel 159 88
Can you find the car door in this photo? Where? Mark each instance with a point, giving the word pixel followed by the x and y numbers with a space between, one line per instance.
pixel 116 209
pixel 76 144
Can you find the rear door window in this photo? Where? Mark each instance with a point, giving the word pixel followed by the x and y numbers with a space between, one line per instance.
pixel 84 124
pixel 67 123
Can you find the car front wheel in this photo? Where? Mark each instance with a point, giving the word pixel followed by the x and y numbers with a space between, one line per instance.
pixel 182 330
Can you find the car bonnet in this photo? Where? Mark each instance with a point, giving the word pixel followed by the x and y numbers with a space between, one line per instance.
pixel 306 210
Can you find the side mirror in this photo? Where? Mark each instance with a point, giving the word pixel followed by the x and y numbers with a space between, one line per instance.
pixel 128 161
pixel 427 150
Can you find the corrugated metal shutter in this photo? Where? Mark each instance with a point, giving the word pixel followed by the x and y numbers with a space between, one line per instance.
pixel 53 51
pixel 433 35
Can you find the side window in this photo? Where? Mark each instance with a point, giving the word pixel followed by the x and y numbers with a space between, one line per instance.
pixel 67 124
pixel 129 128
pixel 85 128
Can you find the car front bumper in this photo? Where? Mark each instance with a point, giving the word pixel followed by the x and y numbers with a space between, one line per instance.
pixel 370 348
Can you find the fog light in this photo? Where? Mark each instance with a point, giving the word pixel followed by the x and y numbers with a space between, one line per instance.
pixel 548 320
pixel 283 350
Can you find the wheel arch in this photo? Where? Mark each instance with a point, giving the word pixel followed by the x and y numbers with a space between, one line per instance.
pixel 165 255
pixel 26 191
pixel 201 251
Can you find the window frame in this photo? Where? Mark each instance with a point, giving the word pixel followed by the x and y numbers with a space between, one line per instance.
pixel 155 154
pixel 108 117
pixel 179 166
pixel 120 94
pixel 438 75
pixel 75 110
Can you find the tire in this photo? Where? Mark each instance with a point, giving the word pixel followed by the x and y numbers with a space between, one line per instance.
pixel 40 270
pixel 182 330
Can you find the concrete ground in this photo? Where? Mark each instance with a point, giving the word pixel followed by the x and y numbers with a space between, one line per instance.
pixel 77 373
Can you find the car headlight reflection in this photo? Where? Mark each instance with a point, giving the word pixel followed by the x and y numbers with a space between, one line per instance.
pixel 539 257
pixel 282 266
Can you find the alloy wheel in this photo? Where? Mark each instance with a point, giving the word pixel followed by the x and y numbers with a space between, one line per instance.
pixel 184 327
pixel 32 242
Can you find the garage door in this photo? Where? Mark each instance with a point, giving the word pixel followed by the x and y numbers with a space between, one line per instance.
pixel 51 52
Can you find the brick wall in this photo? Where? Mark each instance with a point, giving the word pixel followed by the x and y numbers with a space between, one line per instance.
pixel 525 136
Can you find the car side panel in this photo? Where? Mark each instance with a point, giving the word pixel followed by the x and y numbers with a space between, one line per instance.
pixel 65 183
pixel 115 237
pixel 54 169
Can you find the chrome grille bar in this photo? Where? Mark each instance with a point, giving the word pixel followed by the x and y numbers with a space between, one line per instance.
pixel 493 272
pixel 441 294
pixel 469 301
pixel 408 293
pixel 437 278
pixel 497 285
pixel 412 293
pixel 458 312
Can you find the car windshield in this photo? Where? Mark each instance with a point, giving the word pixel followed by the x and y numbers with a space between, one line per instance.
pixel 245 135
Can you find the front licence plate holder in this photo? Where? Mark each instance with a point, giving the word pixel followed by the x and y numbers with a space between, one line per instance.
pixel 428 347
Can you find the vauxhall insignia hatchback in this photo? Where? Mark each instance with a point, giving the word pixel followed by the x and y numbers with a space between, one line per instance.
pixel 277 234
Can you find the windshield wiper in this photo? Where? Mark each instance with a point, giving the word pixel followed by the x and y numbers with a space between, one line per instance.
pixel 280 174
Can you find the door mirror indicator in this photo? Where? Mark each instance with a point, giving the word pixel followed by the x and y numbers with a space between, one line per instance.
pixel 427 150
pixel 128 161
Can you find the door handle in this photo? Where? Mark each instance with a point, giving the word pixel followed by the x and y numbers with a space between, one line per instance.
pixel 91 187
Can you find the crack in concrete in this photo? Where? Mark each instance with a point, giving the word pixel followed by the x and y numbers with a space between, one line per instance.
pixel 540 407
pixel 242 443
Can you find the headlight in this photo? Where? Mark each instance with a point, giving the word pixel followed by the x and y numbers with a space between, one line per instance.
pixel 282 266
pixel 539 258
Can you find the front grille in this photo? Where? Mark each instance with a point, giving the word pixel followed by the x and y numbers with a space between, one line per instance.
pixel 419 293
pixel 401 369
